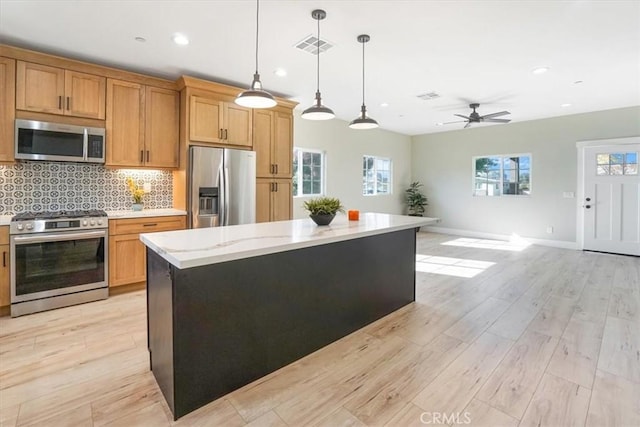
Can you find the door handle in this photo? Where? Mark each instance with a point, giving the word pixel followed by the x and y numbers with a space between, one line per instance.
pixel 276 165
pixel 141 156
pixel 4 258
pixel 148 156
pixel 68 102
pixel 59 102
pixel 220 134
pixel 276 187
pixel 588 206
pixel 588 199
pixel 226 134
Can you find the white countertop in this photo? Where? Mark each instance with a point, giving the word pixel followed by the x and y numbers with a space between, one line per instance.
pixel 204 246
pixel 5 219
pixel 144 213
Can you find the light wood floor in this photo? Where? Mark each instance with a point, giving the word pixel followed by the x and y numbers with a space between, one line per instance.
pixel 537 337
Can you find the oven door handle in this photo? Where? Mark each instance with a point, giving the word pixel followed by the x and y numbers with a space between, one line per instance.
pixel 59 237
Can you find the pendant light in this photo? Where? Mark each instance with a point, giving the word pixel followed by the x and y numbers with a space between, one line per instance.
pixel 255 96
pixel 362 121
pixel 318 111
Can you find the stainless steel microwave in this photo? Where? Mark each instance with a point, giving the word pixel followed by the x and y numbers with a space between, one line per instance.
pixel 59 142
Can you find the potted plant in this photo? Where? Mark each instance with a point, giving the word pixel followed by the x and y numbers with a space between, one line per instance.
pixel 137 193
pixel 416 201
pixel 322 210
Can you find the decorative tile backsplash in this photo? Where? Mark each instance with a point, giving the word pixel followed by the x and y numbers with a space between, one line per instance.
pixel 54 186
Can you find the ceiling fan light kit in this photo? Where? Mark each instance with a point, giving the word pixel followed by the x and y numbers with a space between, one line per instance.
pixel 255 96
pixel 318 111
pixel 363 121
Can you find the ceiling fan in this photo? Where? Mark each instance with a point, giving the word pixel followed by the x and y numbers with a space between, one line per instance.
pixel 477 118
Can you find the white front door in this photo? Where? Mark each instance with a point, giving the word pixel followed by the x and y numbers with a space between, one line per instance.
pixel 611 201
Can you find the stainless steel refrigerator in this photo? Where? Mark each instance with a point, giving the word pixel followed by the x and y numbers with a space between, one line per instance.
pixel 222 187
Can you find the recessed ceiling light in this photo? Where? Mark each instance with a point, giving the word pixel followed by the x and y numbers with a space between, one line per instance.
pixel 577 82
pixel 384 104
pixel 540 70
pixel 180 39
pixel 439 124
pixel 140 39
pixel 280 72
pixel 565 105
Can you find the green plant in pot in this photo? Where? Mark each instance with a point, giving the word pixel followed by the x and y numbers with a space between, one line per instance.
pixel 416 201
pixel 322 210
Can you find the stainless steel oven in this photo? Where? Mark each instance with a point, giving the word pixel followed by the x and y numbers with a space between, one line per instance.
pixel 58 261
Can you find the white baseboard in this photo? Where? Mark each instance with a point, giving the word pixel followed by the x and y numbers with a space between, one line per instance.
pixel 563 244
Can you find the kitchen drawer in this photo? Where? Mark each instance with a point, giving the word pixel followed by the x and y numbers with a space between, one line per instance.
pixel 146 225
pixel 4 235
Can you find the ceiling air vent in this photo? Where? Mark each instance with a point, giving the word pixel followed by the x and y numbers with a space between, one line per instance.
pixel 428 96
pixel 308 44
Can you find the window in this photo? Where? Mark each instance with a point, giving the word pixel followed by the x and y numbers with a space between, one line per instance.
pixel 376 175
pixel 617 164
pixel 308 172
pixel 502 175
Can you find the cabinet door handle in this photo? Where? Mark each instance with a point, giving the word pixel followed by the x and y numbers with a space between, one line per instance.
pixel 276 168
pixel 59 102
pixel 150 225
pixel 220 134
pixel 276 184
pixel 4 258
pixel 147 155
pixel 226 134
pixel 68 102
pixel 141 156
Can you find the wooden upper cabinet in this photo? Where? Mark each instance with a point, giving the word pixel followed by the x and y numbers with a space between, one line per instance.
pixel 7 108
pixel 283 145
pixel 205 119
pixel 217 121
pixel 53 90
pixel 161 127
pixel 125 137
pixel 84 95
pixel 238 124
pixel 273 143
pixel 142 125
pixel 39 88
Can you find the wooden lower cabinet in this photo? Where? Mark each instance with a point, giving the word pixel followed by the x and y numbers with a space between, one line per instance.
pixel 273 199
pixel 5 276
pixel 127 255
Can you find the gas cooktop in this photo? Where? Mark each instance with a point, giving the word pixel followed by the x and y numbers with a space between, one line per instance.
pixel 60 221
pixel 31 216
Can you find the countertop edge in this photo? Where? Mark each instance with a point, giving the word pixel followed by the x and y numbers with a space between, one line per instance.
pixel 145 213
pixel 219 258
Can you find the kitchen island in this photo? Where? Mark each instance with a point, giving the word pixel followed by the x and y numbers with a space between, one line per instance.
pixel 228 305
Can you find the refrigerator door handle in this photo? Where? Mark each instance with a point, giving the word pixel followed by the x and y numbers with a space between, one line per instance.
pixel 226 196
pixel 223 196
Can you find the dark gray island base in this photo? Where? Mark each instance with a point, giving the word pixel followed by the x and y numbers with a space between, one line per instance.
pixel 214 328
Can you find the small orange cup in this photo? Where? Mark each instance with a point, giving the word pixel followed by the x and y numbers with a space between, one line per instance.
pixel 354 215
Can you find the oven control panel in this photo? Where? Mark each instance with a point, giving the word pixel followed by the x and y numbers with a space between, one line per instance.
pixel 54 225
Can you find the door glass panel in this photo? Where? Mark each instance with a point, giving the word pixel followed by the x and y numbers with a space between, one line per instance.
pixel 617 158
pixel 615 170
pixel 602 159
pixel 602 170
pixel 49 266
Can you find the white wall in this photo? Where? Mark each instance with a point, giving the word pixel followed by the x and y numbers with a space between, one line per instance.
pixel 344 149
pixel 443 163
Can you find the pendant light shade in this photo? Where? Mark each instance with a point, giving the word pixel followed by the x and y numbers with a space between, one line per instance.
pixel 363 121
pixel 318 111
pixel 255 96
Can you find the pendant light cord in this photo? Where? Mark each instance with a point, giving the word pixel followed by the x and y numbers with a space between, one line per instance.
pixel 318 56
pixel 257 30
pixel 363 73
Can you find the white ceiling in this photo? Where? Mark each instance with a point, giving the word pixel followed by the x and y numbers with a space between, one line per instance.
pixel 480 51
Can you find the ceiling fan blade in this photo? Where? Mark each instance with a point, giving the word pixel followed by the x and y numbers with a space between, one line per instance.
pixel 497 120
pixel 501 113
pixel 467 125
pixel 464 117
pixel 457 121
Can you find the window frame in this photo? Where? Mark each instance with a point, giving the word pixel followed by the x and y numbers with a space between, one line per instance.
pixel 298 177
pixel 501 157
pixel 390 184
